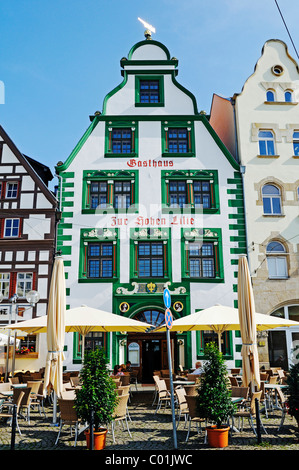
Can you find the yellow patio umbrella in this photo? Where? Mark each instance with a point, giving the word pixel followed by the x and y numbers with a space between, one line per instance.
pixel 246 307
pixel 55 329
pixel 84 320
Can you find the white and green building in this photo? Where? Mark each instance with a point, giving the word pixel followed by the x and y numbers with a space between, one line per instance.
pixel 150 197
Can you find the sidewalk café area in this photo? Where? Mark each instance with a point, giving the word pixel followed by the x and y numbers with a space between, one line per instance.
pixel 149 417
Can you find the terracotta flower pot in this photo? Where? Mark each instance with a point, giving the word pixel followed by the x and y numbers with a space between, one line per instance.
pixel 99 439
pixel 218 437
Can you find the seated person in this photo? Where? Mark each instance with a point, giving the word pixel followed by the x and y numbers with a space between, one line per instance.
pixel 117 370
pixel 198 368
pixel 128 366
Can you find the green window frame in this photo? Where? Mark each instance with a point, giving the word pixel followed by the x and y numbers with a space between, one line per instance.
pixel 109 191
pixel 204 337
pixel 160 248
pixel 155 93
pixel 178 139
pixel 196 186
pixel 202 254
pixel 102 238
pixel 121 139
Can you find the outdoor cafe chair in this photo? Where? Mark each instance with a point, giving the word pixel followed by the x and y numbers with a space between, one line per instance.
pixel 264 376
pixel 190 389
pixel 156 378
pixel 193 415
pixel 17 398
pixel 283 405
pixel 247 410
pixel 75 381
pixel 281 376
pixel 14 380
pixel 162 394
pixel 125 380
pixel 193 378
pixel 235 371
pixel 120 414
pixel 68 394
pixel 5 386
pixel 39 399
pixel 123 390
pixel 233 381
pixel 182 405
pixel 241 392
pixel 25 403
pixel 134 378
pixel 68 415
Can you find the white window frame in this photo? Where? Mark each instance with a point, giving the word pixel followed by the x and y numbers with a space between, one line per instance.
pixel 14 190
pixel 271 197
pixel 11 229
pixel 4 281
pixel 266 140
pixel 21 288
pixel 277 262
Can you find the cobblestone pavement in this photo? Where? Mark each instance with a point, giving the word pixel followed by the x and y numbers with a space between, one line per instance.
pixel 150 432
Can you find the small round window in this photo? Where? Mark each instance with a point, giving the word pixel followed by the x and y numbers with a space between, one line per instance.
pixel 277 69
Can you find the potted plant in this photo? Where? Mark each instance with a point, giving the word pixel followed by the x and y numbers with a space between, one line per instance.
pixel 293 388
pixel 96 399
pixel 214 398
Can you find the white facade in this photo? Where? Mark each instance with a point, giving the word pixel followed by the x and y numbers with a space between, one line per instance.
pixel 150 167
pixel 267 125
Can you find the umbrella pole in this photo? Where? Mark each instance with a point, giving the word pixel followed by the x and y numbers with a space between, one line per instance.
pixel 219 341
pixel 83 347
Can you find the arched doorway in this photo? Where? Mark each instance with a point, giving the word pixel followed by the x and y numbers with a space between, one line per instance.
pixel 148 351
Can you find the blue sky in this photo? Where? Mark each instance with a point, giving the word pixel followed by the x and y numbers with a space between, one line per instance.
pixel 59 58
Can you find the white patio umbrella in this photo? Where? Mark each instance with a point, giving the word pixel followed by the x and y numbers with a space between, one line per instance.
pixel 56 329
pixel 220 318
pixel 246 307
pixel 4 340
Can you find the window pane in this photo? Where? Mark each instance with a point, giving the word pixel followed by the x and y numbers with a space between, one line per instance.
pixel 262 146
pixel 267 205
pixel 276 205
pixel 275 247
pixel 270 189
pixel 208 268
pixel 270 148
pixel 270 95
pixel 194 268
pixel 94 268
pixel 100 260
pixel 11 190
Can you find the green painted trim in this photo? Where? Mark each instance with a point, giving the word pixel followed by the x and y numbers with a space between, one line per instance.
pixel 195 175
pixel 134 238
pixel 98 235
pixel 107 175
pixel 116 123
pixel 78 147
pixel 213 235
pixel 147 42
pixel 160 79
pixel 227 336
pixel 182 123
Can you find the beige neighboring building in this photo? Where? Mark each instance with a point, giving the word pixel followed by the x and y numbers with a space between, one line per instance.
pixel 265 116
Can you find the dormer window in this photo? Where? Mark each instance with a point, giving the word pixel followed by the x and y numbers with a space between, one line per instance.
pixel 149 91
pixel 270 95
pixel 288 96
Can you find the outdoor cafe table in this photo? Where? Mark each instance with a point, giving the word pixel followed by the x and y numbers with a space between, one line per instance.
pixel 183 382
pixel 275 387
